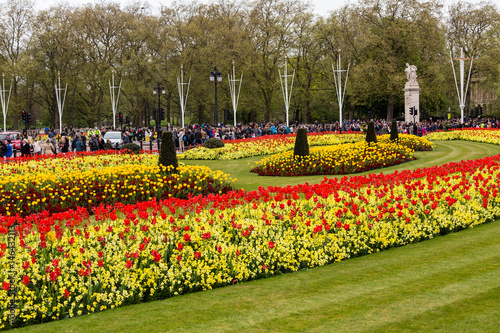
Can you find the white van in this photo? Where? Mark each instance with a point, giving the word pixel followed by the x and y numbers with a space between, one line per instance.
pixel 115 137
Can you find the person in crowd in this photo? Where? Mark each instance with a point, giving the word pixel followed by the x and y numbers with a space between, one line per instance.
pixel 204 135
pixel 73 142
pixel 126 138
pixel 100 141
pixel 175 136
pixel 3 149
pixel 54 144
pixel 109 145
pixel 25 148
pixel 37 146
pixel 48 148
pixel 64 144
pixel 189 138
pixel 79 147
pixel 182 139
pixel 8 152
pixel 83 138
pixel 93 143
pixel 197 136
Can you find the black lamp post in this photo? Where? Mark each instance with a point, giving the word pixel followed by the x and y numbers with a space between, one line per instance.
pixel 156 91
pixel 215 77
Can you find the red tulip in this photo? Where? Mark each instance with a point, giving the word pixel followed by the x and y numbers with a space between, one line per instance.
pixel 5 285
pixel 26 280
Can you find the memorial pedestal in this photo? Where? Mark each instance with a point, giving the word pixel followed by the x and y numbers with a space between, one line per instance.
pixel 412 95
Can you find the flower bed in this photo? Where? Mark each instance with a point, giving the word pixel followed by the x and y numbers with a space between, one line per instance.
pixel 413 142
pixel 264 145
pixel 344 158
pixel 56 185
pixel 69 264
pixel 478 135
pixel 335 160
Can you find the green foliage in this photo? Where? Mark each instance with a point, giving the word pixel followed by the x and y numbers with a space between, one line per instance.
pixel 301 148
pixel 371 135
pixel 213 143
pixel 446 126
pixel 394 130
pixel 377 33
pixel 132 147
pixel 168 155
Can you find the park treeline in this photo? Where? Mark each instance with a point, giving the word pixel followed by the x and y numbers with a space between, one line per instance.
pixel 83 47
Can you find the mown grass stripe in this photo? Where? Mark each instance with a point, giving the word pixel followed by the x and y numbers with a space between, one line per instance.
pixel 472 314
pixel 444 152
pixel 378 292
pixel 340 297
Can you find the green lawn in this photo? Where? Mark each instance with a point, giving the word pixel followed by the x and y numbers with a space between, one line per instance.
pixel 444 152
pixel 448 284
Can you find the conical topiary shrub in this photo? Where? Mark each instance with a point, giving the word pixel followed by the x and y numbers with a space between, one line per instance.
pixel 394 130
pixel 371 136
pixel 168 156
pixel 301 148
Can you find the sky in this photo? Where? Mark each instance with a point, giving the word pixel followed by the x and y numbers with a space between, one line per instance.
pixel 321 7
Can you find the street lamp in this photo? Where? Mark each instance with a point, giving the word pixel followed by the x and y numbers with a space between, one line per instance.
pixel 156 91
pixel 215 77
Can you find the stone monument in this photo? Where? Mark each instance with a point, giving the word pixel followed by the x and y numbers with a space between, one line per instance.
pixel 412 95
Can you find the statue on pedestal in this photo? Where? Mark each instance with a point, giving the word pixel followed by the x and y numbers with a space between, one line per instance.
pixel 411 73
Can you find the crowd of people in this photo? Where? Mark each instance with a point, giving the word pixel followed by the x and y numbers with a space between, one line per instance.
pixel 79 140
pixel 194 135
pixel 71 140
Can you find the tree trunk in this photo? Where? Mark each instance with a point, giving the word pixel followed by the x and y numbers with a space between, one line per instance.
pixel 167 116
pixel 55 112
pixel 70 111
pixel 100 108
pixel 307 111
pixel 267 111
pixel 252 116
pixel 14 98
pixel 390 107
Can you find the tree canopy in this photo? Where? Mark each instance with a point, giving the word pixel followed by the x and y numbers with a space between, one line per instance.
pixel 85 44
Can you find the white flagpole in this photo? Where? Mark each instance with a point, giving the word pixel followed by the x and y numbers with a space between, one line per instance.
pixel 287 95
pixel 461 94
pixel 60 99
pixel 114 99
pixel 337 74
pixel 232 88
pixel 182 97
pixel 5 103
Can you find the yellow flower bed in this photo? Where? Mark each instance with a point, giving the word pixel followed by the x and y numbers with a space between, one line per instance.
pixel 74 266
pixel 60 184
pixel 72 164
pixel 264 146
pixel 417 143
pixel 335 160
pixel 478 135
